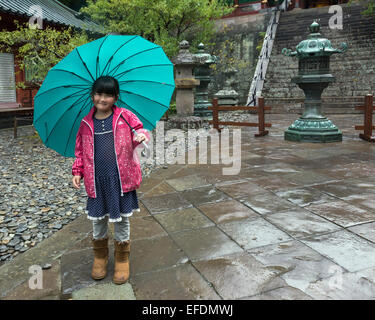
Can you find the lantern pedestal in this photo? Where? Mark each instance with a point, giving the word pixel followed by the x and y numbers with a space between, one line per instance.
pixel 313 130
pixel 312 126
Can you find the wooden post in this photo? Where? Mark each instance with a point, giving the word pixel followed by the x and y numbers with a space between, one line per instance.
pixel 15 127
pixel 368 115
pixel 261 120
pixel 215 114
pixel 367 112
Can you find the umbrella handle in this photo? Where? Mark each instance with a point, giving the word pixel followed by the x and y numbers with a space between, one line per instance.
pixel 146 151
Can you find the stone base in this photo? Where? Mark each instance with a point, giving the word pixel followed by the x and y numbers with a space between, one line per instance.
pixel 188 122
pixel 313 130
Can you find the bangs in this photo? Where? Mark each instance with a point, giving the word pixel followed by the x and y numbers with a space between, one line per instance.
pixel 107 85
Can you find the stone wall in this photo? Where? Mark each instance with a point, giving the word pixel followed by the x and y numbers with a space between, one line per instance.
pixel 244 33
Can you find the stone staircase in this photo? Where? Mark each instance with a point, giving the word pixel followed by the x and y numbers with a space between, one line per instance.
pixel 354 70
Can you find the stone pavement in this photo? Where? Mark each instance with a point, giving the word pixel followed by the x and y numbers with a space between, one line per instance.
pixel 297 222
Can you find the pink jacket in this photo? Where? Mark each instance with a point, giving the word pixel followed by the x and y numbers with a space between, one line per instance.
pixel 128 165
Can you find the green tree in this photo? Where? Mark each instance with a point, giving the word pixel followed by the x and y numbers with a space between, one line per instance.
pixel 164 22
pixel 39 49
pixel 370 6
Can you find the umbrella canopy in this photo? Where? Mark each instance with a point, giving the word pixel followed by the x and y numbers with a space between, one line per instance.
pixel 144 73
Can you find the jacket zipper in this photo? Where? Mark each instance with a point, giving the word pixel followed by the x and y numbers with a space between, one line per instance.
pixel 93 153
pixel 114 143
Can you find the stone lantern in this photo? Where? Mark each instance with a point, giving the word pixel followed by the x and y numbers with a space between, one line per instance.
pixel 313 77
pixel 203 74
pixel 184 64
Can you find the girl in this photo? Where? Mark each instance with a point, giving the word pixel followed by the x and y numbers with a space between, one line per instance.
pixel 104 159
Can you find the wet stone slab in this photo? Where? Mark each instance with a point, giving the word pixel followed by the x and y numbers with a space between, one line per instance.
pixel 145 227
pixel 267 203
pixel 280 168
pixel 76 271
pixel 204 195
pixel 254 232
pixel 284 293
pixel 365 201
pixel 304 196
pixel 105 291
pixel 226 211
pixel 239 275
pixel 160 189
pixel 300 264
pixel 342 213
pixel 242 189
pixel 154 254
pixel 187 182
pixel 164 203
pixel 345 248
pixel 143 213
pixel 205 243
pixel 274 183
pixel 308 178
pixel 183 219
pixel 183 283
pixel 366 230
pixel 250 172
pixel 347 188
pixel 147 185
pixel 301 223
pixel 322 152
pixel 354 170
pixel 345 286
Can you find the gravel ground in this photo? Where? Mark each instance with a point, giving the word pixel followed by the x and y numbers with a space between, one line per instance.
pixel 36 194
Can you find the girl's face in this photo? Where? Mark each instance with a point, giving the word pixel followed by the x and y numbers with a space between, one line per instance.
pixel 103 101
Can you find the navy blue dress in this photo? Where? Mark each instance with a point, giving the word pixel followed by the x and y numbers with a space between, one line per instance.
pixel 108 201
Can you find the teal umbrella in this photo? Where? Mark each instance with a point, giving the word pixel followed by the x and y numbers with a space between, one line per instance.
pixel 144 73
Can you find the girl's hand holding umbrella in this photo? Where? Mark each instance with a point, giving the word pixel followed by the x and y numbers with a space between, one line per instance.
pixel 140 137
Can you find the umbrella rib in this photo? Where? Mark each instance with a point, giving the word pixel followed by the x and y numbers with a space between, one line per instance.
pixel 97 57
pixel 71 130
pixel 110 59
pixel 62 116
pixel 163 83
pixel 59 100
pixel 156 47
pixel 136 112
pixel 78 87
pixel 84 63
pixel 136 94
pixel 152 65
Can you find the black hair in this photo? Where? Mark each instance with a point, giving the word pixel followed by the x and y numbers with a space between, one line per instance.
pixel 106 84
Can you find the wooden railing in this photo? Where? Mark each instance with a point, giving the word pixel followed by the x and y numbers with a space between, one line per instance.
pixel 259 109
pixel 368 126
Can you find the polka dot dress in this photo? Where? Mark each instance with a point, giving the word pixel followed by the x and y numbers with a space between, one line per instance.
pixel 108 201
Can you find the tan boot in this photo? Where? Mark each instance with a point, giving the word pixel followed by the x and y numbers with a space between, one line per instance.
pixel 99 267
pixel 122 251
